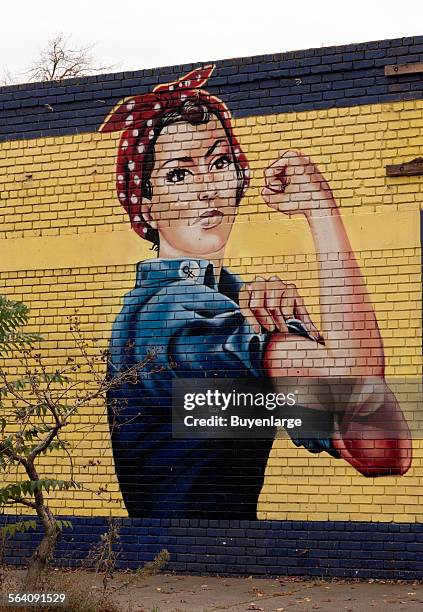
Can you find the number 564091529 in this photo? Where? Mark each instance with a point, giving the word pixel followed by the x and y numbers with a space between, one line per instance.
pixel 35 598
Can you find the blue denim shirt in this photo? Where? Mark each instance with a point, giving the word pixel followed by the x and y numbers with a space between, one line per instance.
pixel 193 324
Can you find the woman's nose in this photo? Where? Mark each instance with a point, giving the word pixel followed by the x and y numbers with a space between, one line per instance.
pixel 206 185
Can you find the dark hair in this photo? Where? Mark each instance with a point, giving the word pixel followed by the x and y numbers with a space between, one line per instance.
pixel 193 112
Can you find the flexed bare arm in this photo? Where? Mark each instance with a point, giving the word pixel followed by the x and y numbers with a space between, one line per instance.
pixel 351 345
pixel 295 186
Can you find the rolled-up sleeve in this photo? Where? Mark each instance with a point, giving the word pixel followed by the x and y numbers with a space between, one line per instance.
pixel 198 332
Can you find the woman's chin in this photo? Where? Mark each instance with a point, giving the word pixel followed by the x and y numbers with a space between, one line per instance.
pixel 206 245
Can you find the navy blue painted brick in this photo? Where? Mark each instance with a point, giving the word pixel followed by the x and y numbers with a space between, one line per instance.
pixel 397 51
pixel 416 48
pixel 312 97
pixel 356 551
pixel 23 114
pixel 195 568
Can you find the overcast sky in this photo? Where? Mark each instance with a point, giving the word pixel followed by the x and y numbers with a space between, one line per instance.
pixel 133 34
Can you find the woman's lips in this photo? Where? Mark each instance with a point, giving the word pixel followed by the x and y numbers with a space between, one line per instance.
pixel 210 218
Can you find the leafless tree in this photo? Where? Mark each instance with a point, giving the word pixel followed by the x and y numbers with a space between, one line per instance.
pixel 6 77
pixel 61 60
pixel 58 60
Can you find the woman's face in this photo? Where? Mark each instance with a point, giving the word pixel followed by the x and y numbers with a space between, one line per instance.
pixel 194 184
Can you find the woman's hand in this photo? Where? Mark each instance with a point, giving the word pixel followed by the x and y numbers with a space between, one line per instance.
pixel 294 185
pixel 269 303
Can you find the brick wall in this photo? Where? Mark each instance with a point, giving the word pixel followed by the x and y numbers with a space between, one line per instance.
pixel 66 244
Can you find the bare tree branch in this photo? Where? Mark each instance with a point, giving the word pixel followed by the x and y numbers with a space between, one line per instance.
pixel 6 77
pixel 61 60
pixel 58 60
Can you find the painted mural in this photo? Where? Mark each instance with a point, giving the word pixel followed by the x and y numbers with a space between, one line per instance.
pixel 181 175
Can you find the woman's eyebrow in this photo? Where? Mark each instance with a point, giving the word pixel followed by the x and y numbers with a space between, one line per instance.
pixel 177 159
pixel 214 145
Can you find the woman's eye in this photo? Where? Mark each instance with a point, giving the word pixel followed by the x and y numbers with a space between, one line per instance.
pixel 222 162
pixel 177 175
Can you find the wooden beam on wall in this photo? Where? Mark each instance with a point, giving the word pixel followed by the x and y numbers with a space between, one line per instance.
pixel 396 69
pixel 410 168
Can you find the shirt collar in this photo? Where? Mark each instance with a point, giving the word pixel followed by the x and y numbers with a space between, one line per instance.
pixel 199 271
pixel 155 272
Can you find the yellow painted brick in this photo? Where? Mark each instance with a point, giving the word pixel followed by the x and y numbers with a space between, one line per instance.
pixel 292 476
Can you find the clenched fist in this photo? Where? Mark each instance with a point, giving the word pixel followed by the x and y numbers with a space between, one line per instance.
pixel 294 185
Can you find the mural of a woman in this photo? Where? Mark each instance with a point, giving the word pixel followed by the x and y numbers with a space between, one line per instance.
pixel 181 175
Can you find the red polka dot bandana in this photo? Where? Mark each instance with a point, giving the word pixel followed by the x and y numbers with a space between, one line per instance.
pixel 136 118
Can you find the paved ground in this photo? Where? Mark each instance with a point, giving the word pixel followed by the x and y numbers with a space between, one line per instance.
pixel 183 593
pixel 180 593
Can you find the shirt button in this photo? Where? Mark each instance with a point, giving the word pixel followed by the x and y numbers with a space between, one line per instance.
pixel 189 270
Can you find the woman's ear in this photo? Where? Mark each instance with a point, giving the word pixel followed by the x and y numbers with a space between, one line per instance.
pixel 146 211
